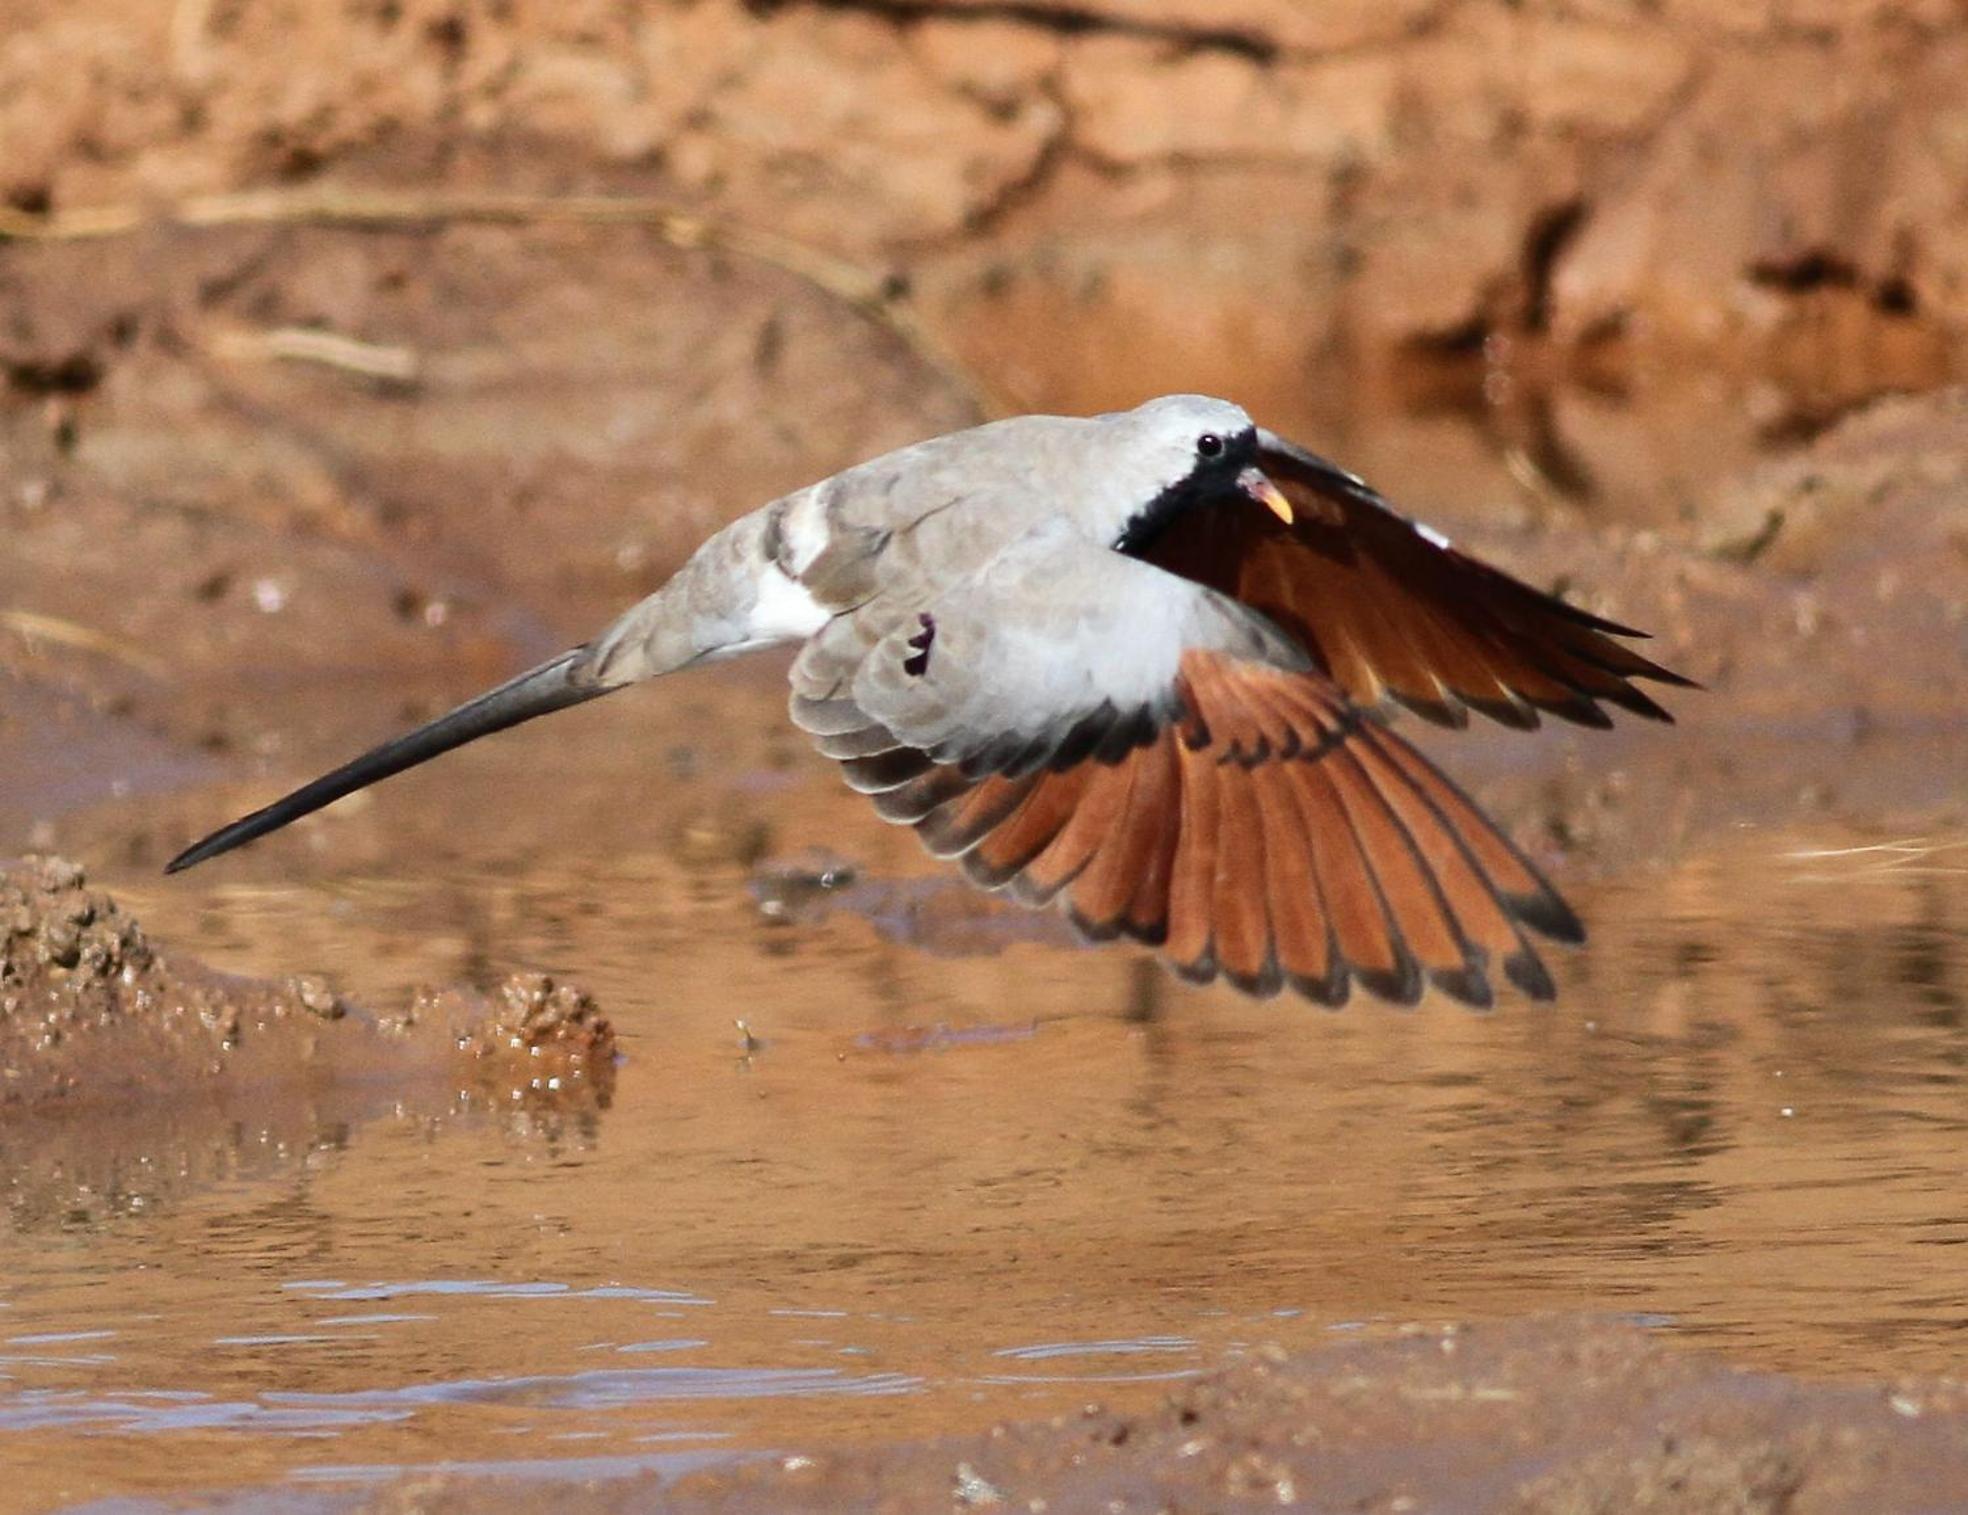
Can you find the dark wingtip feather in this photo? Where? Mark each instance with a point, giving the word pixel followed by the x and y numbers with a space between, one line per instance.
pixel 1526 970
pixel 977 870
pixel 1077 745
pixel 1630 699
pixel 885 771
pixel 1450 715
pixel 1548 915
pixel 1091 929
pixel 1130 730
pixel 1580 711
pixel 1578 615
pixel 920 799
pixel 1512 713
pixel 1467 985
pixel 1264 984
pixel 1632 666
pixel 1400 985
pixel 1331 992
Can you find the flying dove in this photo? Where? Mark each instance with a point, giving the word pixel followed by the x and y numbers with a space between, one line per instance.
pixel 1138 664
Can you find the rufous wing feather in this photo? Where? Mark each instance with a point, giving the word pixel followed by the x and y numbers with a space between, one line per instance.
pixel 1392 611
pixel 1272 834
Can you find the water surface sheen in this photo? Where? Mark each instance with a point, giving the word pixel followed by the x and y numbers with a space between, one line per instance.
pixel 967 1174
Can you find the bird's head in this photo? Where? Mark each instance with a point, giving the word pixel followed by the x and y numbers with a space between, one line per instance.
pixel 1182 453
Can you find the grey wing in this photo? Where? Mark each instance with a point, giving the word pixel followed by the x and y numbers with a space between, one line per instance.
pixel 1054 651
pixel 1078 726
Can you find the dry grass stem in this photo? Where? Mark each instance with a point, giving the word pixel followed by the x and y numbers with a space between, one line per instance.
pixel 300 344
pixel 32 626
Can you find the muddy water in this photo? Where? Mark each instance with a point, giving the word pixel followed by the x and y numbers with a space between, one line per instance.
pixel 953 1169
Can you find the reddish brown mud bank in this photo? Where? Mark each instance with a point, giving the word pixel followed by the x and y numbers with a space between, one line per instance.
pixel 1572 257
pixel 1091 197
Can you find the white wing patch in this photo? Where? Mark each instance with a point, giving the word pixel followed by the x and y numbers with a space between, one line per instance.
pixel 783 612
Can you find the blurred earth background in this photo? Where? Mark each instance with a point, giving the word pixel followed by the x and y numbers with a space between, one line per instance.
pixel 356 354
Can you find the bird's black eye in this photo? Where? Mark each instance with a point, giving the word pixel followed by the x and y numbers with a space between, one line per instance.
pixel 1209 445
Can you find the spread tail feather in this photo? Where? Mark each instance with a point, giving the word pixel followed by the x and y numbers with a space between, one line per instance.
pixel 554 685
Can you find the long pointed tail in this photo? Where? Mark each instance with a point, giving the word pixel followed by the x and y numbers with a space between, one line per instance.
pixel 554 685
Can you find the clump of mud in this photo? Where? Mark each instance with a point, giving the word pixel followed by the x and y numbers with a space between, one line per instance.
pixel 542 1038
pixel 90 1010
pixel 88 1005
pixel 65 946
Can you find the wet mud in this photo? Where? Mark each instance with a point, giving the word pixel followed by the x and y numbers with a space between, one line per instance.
pixel 1549 1418
pixel 869 1215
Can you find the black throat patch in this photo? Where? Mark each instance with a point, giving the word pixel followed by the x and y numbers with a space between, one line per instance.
pixel 1211 480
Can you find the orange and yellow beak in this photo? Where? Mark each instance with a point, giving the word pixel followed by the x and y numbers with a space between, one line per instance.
pixel 1254 483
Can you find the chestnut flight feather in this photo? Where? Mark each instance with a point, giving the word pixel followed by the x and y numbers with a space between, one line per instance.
pixel 1138 664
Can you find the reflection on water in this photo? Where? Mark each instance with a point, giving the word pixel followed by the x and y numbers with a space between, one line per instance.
pixel 929 1190
pixel 1101 1361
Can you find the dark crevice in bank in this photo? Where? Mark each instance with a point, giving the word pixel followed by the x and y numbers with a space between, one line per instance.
pixel 1066 20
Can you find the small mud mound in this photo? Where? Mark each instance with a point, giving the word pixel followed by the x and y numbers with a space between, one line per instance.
pixel 66 948
pixel 91 1011
pixel 541 1039
pixel 87 1006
